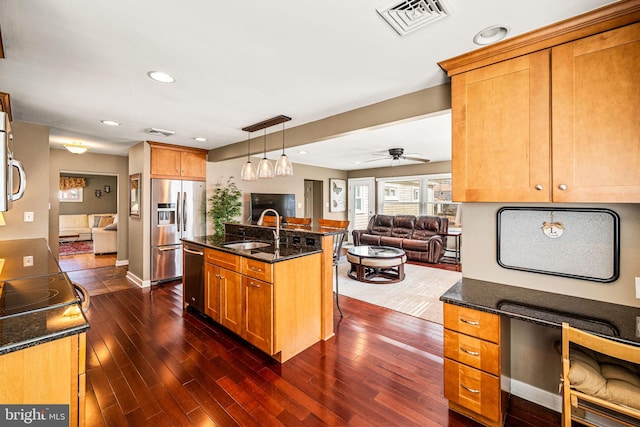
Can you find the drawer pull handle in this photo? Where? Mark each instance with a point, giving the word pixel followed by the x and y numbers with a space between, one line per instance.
pixel 255 285
pixel 217 276
pixel 470 322
pixel 470 390
pixel 259 270
pixel 473 353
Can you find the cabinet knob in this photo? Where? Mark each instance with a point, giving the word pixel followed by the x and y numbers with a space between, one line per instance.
pixel 539 187
pixel 562 187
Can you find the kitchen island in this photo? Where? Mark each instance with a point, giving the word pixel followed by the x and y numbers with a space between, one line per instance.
pixel 280 300
pixel 42 331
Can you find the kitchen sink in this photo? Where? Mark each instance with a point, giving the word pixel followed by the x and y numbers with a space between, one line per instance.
pixel 246 245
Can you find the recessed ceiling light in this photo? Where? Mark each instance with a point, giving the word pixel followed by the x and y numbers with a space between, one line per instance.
pixel 109 123
pixel 200 139
pixel 302 152
pixel 356 163
pixel 161 77
pixel 491 34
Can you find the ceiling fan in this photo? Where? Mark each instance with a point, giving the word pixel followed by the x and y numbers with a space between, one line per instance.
pixel 397 154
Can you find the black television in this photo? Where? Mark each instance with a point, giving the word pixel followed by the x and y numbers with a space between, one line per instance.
pixel 284 204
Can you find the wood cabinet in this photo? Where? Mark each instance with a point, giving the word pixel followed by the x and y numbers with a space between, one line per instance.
pixel 258 319
pixel 274 306
pixel 172 161
pixel 5 104
pixel 473 364
pixel 48 373
pixel 550 116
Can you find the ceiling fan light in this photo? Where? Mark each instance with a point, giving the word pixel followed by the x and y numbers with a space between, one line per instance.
pixel 284 166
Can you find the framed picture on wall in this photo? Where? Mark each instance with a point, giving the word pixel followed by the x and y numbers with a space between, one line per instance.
pixel 338 195
pixel 134 195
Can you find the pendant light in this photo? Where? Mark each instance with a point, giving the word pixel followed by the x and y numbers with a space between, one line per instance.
pixel 248 170
pixel 265 168
pixel 284 166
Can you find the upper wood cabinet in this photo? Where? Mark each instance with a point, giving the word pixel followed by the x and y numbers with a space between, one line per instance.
pixel 172 161
pixel 596 118
pixel 500 116
pixel 5 104
pixel 556 123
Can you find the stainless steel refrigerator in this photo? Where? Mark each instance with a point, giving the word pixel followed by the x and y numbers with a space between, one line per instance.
pixel 178 211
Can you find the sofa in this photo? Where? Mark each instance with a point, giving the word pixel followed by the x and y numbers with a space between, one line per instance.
pixel 423 238
pixel 101 228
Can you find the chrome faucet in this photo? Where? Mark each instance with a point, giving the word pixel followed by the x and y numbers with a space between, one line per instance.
pixel 276 233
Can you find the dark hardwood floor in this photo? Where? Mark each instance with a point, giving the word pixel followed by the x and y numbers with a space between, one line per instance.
pixel 148 363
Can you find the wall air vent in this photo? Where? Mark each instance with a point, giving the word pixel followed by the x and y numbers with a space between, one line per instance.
pixel 409 15
pixel 156 131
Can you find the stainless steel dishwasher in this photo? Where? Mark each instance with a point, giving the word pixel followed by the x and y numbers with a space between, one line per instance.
pixel 193 276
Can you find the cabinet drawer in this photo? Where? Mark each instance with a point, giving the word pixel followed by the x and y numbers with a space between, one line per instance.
pixel 257 269
pixel 472 389
pixel 222 259
pixel 471 322
pixel 474 352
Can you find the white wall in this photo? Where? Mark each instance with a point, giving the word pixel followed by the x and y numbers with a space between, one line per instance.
pixel 221 171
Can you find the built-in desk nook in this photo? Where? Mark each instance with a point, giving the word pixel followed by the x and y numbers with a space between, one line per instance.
pixel 477 317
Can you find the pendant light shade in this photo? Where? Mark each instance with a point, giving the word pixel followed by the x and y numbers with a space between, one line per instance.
pixel 248 172
pixel 265 168
pixel 284 166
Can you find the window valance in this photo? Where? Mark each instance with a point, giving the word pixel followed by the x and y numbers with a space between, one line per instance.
pixel 69 182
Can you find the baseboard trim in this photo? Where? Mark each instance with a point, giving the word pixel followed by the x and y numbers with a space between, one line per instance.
pixel 537 395
pixel 137 281
pixel 121 262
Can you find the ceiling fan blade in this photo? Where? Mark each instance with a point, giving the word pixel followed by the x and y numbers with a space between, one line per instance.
pixel 416 159
pixel 376 160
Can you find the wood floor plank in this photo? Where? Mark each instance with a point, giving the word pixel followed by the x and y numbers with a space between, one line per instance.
pixel 151 363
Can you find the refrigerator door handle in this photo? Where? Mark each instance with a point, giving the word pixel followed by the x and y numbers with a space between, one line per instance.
pixel 179 211
pixel 184 211
pixel 168 248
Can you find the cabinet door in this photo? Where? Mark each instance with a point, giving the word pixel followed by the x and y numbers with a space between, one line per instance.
pixel 193 165
pixel 231 300
pixel 258 323
pixel 165 162
pixel 596 106
pixel 212 291
pixel 501 135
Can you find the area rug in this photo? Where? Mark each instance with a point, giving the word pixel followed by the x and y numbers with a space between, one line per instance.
pixel 417 295
pixel 75 248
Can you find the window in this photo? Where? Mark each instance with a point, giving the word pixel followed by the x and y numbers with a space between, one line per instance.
pixel 360 199
pixel 420 195
pixel 70 195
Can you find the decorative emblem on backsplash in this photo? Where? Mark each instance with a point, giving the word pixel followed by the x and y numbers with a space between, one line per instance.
pixel 552 229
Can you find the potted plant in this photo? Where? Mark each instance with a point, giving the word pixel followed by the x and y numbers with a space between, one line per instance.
pixel 225 204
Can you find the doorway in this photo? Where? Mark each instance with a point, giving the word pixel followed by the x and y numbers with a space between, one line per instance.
pixel 84 199
pixel 313 200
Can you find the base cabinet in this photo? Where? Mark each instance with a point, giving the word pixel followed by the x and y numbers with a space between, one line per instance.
pixel 276 307
pixel 473 364
pixel 46 374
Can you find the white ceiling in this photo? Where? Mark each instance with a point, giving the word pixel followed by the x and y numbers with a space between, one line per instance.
pixel 71 63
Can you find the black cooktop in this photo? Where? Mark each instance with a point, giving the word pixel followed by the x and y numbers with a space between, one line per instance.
pixel 35 293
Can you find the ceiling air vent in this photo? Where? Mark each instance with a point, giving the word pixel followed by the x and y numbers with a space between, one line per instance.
pixel 409 15
pixel 156 131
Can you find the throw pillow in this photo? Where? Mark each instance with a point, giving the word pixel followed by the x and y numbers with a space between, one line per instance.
pixel 104 221
pixel 112 226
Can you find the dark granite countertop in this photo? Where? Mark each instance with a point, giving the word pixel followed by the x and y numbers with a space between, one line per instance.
pixel 266 254
pixel 32 328
pixel 615 321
